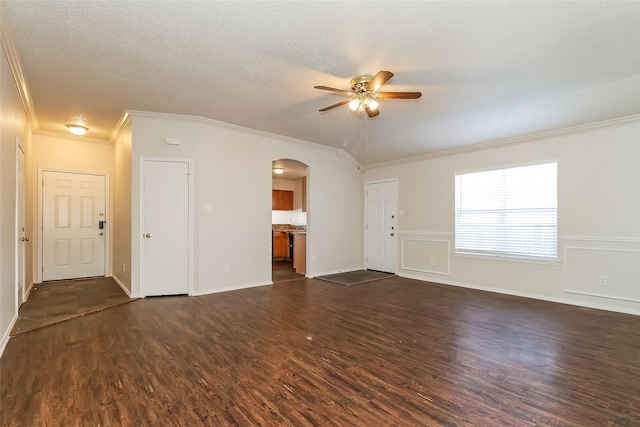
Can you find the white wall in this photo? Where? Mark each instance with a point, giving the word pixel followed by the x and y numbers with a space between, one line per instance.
pixel 121 208
pixel 232 171
pixel 598 217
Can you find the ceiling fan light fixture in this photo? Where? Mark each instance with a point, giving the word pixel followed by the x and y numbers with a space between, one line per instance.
pixel 373 104
pixel 354 104
pixel 78 130
pixel 278 170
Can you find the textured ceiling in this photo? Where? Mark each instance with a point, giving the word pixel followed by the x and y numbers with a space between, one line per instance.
pixel 487 70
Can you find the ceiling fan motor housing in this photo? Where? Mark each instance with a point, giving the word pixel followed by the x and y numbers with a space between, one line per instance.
pixel 359 83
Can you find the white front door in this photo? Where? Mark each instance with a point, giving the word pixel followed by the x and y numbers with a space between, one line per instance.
pixel 381 226
pixel 165 227
pixel 73 238
pixel 22 237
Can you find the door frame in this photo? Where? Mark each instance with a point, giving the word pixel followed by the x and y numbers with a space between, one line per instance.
pixel 21 247
pixel 366 215
pixel 189 163
pixel 40 231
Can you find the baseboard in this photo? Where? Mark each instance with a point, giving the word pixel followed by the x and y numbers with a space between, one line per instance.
pixel 124 288
pixel 230 288
pixel 342 270
pixel 558 300
pixel 6 335
pixel 28 292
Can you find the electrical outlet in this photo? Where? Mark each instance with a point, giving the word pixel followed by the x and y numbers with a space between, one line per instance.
pixel 124 267
pixel 313 258
pixel 603 280
pixel 227 268
pixel 433 261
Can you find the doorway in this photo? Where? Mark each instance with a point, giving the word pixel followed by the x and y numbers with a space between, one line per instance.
pixel 74 225
pixel 381 204
pixel 289 219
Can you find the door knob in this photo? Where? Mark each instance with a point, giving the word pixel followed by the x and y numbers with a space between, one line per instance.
pixel 393 234
pixel 148 235
pixel 25 239
pixel 101 233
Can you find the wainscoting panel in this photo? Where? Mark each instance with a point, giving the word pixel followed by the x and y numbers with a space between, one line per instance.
pixel 426 255
pixel 607 273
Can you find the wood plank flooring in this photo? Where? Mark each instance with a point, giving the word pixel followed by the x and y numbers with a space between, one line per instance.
pixel 394 352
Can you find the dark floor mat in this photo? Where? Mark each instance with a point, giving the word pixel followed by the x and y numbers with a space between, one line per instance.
pixel 356 277
pixel 54 302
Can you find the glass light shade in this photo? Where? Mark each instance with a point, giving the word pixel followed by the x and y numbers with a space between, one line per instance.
pixel 373 105
pixel 354 104
pixel 278 170
pixel 77 129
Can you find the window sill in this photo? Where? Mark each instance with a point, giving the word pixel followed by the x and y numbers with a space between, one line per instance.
pixel 513 258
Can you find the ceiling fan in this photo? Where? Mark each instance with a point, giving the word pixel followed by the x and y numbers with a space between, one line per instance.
pixel 364 93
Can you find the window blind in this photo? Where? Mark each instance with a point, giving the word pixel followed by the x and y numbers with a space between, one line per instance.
pixel 508 212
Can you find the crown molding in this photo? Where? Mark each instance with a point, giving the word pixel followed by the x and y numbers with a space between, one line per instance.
pixel 589 127
pixel 13 58
pixel 198 119
pixel 122 124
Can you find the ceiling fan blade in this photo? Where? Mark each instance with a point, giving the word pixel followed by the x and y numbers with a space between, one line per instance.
pixel 378 80
pixel 332 89
pixel 399 95
pixel 372 113
pixel 346 101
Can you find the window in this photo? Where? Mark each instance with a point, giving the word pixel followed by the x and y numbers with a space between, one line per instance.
pixel 508 212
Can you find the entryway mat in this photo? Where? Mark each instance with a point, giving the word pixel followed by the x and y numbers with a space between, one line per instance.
pixel 356 277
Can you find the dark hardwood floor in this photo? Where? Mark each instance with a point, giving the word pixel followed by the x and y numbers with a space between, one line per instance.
pixel 394 352
pixel 282 271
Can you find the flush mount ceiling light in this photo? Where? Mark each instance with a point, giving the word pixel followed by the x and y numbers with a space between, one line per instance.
pixel 278 170
pixel 77 129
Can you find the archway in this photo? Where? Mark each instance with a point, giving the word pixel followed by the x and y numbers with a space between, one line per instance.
pixel 289 219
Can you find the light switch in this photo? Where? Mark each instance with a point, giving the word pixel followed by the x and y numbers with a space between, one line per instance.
pixel 208 207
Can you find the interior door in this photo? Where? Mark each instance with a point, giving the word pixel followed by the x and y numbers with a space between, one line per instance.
pixel 22 237
pixel 381 223
pixel 165 227
pixel 73 242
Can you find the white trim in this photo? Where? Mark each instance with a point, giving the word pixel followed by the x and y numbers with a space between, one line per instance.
pixel 559 300
pixel 448 270
pixel 122 124
pixel 13 58
pixel 124 288
pixel 589 127
pixel 600 239
pixel 107 208
pixel 496 257
pixel 230 288
pixel 7 334
pixel 190 244
pixel 426 233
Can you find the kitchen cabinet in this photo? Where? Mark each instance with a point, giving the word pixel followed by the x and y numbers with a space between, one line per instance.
pixel 280 245
pixel 281 200
pixel 300 253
